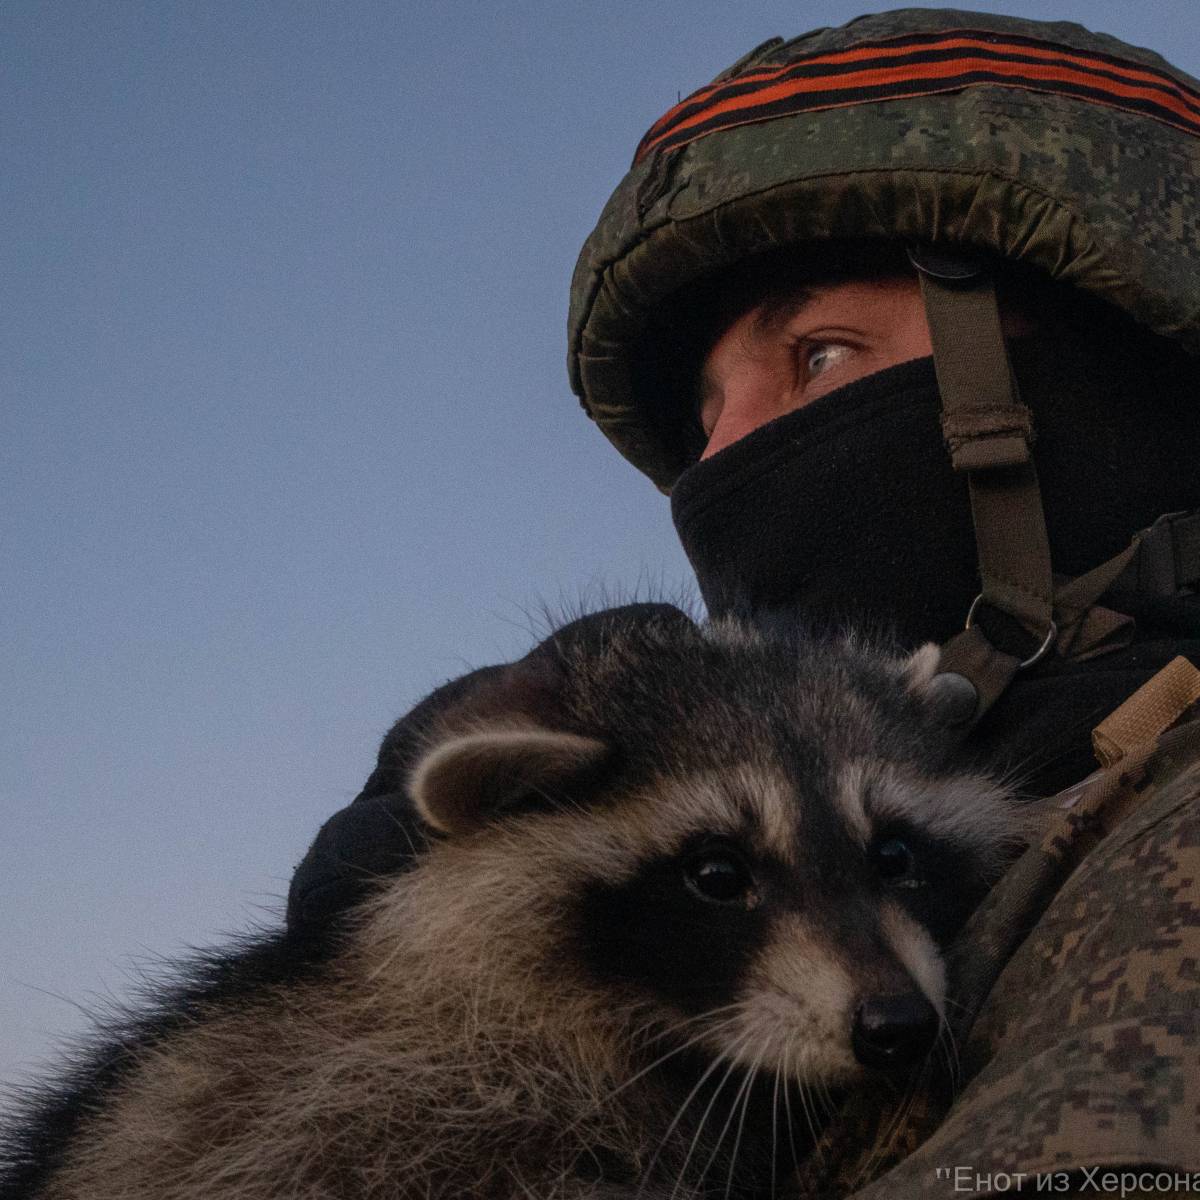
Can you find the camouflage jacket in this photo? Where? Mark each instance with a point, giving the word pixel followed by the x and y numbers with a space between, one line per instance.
pixel 1077 1043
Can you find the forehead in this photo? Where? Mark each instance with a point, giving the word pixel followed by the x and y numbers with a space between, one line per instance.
pixel 743 801
pixel 728 697
pixel 865 305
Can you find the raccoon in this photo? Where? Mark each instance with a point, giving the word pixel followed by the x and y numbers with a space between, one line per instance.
pixel 682 884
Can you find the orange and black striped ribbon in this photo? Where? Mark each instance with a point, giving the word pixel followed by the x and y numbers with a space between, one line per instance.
pixel 924 65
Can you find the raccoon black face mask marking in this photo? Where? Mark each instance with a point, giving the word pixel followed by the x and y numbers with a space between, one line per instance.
pixel 680 882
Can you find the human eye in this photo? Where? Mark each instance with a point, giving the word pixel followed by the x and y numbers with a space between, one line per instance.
pixel 819 357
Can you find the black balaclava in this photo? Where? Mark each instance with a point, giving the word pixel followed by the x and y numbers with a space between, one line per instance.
pixel 848 512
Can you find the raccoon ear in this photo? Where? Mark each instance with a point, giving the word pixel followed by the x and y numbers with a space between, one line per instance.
pixel 470 779
pixel 920 667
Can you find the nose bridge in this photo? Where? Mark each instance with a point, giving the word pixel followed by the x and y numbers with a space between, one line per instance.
pixel 865 949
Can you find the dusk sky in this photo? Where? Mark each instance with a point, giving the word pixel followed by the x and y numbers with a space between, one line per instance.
pixel 286 438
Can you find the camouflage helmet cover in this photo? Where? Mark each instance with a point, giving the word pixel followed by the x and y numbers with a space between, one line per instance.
pixel 1041 142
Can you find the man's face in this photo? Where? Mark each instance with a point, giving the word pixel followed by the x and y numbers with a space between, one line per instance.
pixel 779 357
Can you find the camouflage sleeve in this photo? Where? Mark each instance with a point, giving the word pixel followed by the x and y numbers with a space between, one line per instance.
pixel 1079 1043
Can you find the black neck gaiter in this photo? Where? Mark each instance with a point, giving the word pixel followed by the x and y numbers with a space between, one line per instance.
pixel 848 513
pixel 824 508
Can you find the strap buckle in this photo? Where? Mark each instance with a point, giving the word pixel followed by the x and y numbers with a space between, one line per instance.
pixel 1038 654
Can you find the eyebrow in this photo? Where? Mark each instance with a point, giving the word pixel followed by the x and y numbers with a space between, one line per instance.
pixel 774 310
pixel 779 307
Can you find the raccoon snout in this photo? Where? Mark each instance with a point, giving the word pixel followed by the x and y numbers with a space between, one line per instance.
pixel 893 1031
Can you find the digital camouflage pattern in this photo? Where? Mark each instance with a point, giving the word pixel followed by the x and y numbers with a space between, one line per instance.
pixel 1078 1035
pixel 1094 196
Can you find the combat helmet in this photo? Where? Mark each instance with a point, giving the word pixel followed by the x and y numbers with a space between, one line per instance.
pixel 1041 142
pixel 965 135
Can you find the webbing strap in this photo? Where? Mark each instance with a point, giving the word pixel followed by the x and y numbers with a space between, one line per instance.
pixel 1148 713
pixel 1168 557
pixel 988 431
pixel 1084 627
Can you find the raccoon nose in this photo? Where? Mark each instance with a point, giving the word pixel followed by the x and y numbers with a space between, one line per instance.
pixel 893 1031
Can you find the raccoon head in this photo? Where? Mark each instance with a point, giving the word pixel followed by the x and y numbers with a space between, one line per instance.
pixel 773 914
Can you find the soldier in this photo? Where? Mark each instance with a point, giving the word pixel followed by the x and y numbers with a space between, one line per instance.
pixel 905 316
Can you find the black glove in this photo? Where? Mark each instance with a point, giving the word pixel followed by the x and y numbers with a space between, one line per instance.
pixel 379 834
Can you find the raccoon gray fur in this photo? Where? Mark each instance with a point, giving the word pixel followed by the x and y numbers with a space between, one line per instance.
pixel 682 883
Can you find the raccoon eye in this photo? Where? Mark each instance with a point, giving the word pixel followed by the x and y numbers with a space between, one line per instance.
pixel 718 877
pixel 896 863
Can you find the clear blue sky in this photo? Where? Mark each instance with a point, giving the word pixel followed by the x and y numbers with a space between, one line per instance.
pixel 285 434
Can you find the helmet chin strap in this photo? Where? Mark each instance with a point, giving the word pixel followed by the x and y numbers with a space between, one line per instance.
pixel 1020 615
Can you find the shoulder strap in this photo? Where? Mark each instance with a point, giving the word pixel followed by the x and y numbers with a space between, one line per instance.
pixel 988 432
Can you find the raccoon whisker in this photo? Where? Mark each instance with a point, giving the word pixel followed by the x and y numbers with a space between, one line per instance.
pixel 670 1030
pixel 686 1045
pixel 883 1141
pixel 709 1070
pixel 791 1119
pixel 891 1133
pixel 737 1142
pixel 774 1130
pixel 946 1058
pixel 906 1108
pixel 1013 775
pixel 808 1104
pixel 731 1054
pixel 733 1065
pixel 694 1040
pixel 828 1104
pixel 865 1173
pixel 949 1047
pixel 733 1108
